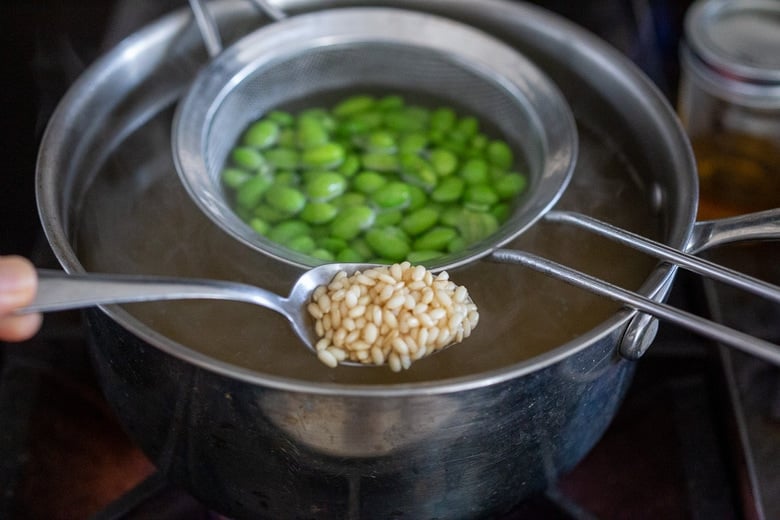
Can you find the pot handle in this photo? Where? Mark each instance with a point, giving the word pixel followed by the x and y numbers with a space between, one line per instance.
pixel 762 225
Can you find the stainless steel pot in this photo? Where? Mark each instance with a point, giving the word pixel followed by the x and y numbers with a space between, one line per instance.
pixel 254 430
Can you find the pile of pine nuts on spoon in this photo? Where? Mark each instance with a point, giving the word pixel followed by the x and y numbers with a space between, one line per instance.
pixel 392 315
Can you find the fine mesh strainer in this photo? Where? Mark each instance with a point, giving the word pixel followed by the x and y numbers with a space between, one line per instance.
pixel 307 58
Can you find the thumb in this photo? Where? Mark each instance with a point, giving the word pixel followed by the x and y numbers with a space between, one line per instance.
pixel 18 283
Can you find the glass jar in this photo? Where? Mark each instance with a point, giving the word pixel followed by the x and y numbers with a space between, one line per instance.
pixel 729 103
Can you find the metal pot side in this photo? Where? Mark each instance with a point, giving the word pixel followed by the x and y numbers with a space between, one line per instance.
pixel 251 451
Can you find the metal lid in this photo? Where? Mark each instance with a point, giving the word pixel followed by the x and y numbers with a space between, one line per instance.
pixel 739 38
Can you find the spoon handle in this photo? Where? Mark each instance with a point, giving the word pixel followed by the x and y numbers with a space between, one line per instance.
pixel 58 291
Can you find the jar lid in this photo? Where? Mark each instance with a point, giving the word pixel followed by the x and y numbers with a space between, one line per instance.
pixel 738 38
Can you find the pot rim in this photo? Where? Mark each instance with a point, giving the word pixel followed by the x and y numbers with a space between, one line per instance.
pixel 51 155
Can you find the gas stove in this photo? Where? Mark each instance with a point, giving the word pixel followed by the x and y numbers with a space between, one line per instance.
pixel 698 435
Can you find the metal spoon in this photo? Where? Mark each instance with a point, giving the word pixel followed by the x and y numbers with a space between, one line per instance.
pixel 58 291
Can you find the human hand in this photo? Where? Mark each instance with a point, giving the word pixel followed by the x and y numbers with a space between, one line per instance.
pixel 18 284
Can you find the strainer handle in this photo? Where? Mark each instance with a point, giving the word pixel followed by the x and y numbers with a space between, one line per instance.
pixel 670 254
pixel 271 10
pixel 209 30
pixel 709 329
pixel 207 27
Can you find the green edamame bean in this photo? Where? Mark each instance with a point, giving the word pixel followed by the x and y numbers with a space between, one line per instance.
pixel 476 206
pixel 435 239
pixel 349 255
pixel 318 212
pixel 287 138
pixel 419 114
pixel 474 226
pixel 351 221
pixel 349 199
pixel 457 147
pixel 322 254
pixel 381 141
pixel 451 215
pixel 412 163
pixel 281 118
pixel 285 231
pixel 390 102
pixel 456 245
pixel 286 178
pixel 449 189
pixel 332 244
pixel 443 119
pixel 418 171
pixel 499 154
pixel 388 218
pixel 350 166
pixel 417 198
pixel 282 158
pixel 326 186
pixel 480 194
pixel 361 247
pixel 365 122
pixel 387 243
pixel 321 115
pixel 404 121
pixel 353 105
pixel 381 162
pixel 260 226
pixel 285 198
pixel 251 192
pixel 392 195
pixel 413 143
pixel 368 181
pixel 247 158
pixel 420 257
pixel 302 243
pixel 419 221
pixel 500 212
pixel 311 132
pixel 269 214
pixel 509 185
pixel 319 232
pixel 467 126
pixel 262 134
pixel 479 142
pixel 235 177
pixel 475 171
pixel 437 137
pixel 325 156
pixel 444 162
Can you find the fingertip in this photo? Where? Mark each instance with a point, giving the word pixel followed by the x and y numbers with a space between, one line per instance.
pixel 20 328
pixel 18 282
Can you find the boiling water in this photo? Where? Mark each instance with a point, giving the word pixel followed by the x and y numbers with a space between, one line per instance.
pixel 137 218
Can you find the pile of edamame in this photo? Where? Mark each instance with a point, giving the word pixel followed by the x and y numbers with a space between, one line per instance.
pixel 373 179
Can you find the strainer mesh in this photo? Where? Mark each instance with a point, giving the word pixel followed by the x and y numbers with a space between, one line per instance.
pixel 311 79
